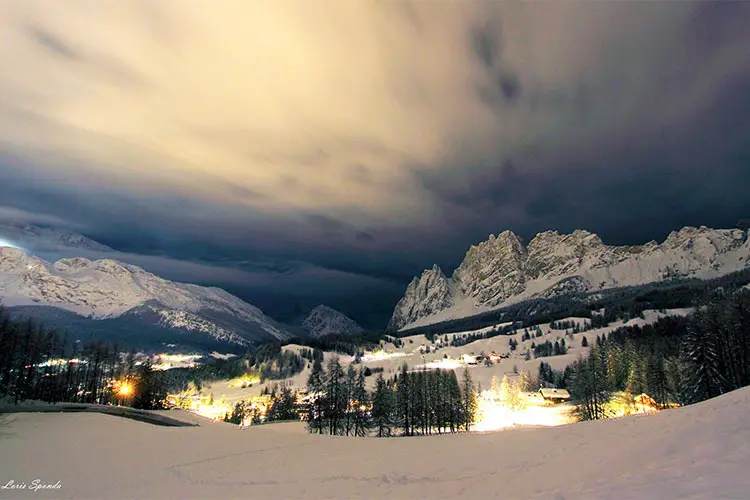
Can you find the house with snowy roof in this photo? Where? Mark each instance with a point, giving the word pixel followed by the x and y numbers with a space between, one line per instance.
pixel 553 395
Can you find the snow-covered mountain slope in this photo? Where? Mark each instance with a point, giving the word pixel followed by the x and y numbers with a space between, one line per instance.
pixel 501 271
pixel 324 320
pixel 27 236
pixel 106 289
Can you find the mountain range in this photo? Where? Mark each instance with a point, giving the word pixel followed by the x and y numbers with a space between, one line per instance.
pixel 110 300
pixel 502 270
pixel 110 290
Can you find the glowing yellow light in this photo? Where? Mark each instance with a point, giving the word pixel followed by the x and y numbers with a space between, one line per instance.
pixel 125 389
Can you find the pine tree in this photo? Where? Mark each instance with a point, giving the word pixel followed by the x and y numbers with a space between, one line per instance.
pixel 336 402
pixel 284 406
pixel 497 388
pixel 149 394
pixel 362 421
pixel 238 414
pixel 525 383
pixel 589 386
pixel 636 384
pixel 316 401
pixel 469 401
pixel 509 394
pixel 404 401
pixel 348 397
pixel 701 360
pixel 656 378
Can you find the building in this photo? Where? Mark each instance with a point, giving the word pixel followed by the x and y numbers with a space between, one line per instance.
pixel 496 358
pixel 469 359
pixel 554 396
pixel 532 398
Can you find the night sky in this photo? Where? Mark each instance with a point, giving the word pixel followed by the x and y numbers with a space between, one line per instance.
pixel 299 153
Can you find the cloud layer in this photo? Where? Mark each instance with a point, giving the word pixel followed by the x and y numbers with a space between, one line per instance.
pixel 372 137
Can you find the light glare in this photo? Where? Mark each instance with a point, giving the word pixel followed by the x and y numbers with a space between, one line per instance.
pixel 6 243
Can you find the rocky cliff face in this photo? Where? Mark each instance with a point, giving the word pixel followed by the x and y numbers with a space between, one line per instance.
pixel 502 270
pixel 324 320
pixel 425 295
pixel 106 289
pixel 493 270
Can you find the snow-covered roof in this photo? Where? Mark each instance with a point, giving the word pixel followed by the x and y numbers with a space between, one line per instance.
pixel 531 397
pixel 551 393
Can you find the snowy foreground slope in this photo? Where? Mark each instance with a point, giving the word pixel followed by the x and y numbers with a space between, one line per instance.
pixel 694 452
pixel 502 271
pixel 106 289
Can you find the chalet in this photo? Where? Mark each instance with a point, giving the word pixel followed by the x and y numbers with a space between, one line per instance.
pixel 532 398
pixel 469 359
pixel 554 396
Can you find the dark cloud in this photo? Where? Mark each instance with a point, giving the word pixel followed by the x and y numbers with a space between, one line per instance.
pixel 486 45
pixel 510 87
pixel 326 223
pixel 379 140
pixel 365 237
pixel 53 44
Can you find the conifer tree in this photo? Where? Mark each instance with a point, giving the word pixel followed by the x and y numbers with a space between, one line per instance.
pixel 469 401
pixel 348 397
pixel 701 361
pixel 404 401
pixel 589 386
pixel 336 403
pixel 525 383
pixel 316 400
pixel 284 406
pixel 362 421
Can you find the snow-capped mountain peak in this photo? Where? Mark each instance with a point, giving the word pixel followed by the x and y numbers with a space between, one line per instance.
pixel 103 289
pixel 46 238
pixel 502 270
pixel 324 320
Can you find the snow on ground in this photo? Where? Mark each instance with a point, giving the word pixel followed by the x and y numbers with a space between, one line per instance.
pixel 694 452
pixel 391 358
pixel 500 345
pixel 228 392
pixel 462 308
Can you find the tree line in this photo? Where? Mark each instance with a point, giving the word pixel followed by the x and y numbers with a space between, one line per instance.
pixel 549 349
pixel 409 403
pixel 674 361
pixel 39 364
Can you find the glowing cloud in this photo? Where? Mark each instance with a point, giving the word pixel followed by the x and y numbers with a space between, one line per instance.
pixel 327 106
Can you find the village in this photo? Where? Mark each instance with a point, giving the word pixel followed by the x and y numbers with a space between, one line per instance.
pixel 504 368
